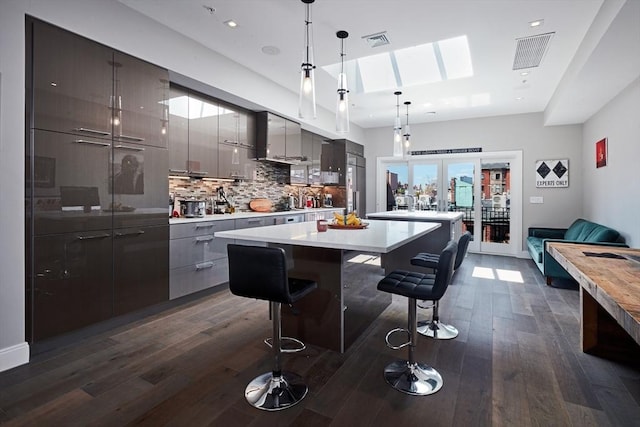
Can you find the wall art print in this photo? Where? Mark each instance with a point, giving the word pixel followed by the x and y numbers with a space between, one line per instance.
pixel 552 173
pixel 601 153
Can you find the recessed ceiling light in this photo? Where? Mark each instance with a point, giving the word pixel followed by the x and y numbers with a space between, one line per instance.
pixel 537 23
pixel 270 50
pixel 231 23
pixel 430 113
pixel 520 98
pixel 54 84
pixel 524 73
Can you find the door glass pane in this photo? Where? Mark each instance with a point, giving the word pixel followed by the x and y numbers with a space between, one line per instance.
pixel 460 191
pixel 397 184
pixel 496 199
pixel 425 186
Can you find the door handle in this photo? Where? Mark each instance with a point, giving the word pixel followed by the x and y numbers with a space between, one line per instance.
pixel 134 233
pixel 95 236
pixel 84 141
pixel 204 239
pixel 204 265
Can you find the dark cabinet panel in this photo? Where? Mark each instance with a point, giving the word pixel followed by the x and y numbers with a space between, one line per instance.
pixel 72 283
pixel 178 131
pixel 141 92
pixel 72 81
pixel 236 161
pixel 140 185
pixel 203 136
pixel 70 183
pixel 141 267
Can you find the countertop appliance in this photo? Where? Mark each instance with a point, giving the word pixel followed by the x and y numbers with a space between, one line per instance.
pixel 193 208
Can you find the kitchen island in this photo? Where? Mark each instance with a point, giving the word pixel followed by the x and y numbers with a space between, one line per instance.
pixel 335 314
pixel 451 229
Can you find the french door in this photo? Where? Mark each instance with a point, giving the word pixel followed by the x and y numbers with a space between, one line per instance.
pixel 480 186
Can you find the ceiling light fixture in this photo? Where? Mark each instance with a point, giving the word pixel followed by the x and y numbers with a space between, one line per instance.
pixel 536 23
pixel 342 107
pixel 307 105
pixel 397 128
pixel 231 23
pixel 407 131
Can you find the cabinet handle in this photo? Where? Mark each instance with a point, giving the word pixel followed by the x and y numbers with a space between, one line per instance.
pixel 125 147
pixel 134 233
pixel 204 265
pixel 254 221
pixel 178 170
pixel 198 172
pixel 230 141
pixel 96 236
pixel 96 132
pixel 130 138
pixel 204 239
pixel 203 226
pixel 84 141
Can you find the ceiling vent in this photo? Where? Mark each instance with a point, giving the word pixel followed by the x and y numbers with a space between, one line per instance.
pixel 377 39
pixel 531 50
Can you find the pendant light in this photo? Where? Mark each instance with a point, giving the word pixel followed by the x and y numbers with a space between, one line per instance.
pixel 397 128
pixel 307 105
pixel 407 132
pixel 342 106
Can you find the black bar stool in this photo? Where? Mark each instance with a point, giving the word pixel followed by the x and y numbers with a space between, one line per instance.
pixel 409 376
pixel 261 272
pixel 434 328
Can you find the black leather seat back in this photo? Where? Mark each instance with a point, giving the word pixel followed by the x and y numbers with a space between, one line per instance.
pixel 444 271
pixel 463 244
pixel 259 272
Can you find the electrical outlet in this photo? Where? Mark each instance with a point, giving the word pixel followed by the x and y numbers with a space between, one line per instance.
pixel 536 199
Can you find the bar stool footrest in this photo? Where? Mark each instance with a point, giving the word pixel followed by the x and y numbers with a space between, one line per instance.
pixel 300 345
pixel 397 330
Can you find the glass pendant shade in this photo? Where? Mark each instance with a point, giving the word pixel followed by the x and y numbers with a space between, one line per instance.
pixel 342 104
pixel 307 103
pixel 397 129
pixel 235 156
pixel 407 133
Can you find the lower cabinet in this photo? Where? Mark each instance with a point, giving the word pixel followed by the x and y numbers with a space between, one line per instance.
pixel 198 260
pixel 141 267
pixel 73 282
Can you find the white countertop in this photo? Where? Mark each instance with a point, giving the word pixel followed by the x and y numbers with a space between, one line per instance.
pixel 379 236
pixel 241 215
pixel 417 215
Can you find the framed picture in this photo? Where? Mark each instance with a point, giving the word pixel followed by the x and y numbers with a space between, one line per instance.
pixel 552 173
pixel 601 153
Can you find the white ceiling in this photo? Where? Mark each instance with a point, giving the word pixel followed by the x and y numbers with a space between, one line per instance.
pixel 492 27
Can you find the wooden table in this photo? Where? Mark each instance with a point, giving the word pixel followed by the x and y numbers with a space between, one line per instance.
pixel 609 279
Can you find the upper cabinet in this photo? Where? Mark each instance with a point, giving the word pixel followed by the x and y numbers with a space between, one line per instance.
pixel 193 134
pixel 237 126
pixel 84 88
pixel 278 139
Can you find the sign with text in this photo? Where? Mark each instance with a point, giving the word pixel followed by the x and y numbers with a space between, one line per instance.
pixel 552 173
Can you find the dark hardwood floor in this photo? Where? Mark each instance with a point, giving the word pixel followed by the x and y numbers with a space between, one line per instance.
pixel 516 362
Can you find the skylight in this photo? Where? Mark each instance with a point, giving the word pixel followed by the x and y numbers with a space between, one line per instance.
pixel 427 63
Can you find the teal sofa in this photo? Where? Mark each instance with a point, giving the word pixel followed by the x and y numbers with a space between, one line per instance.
pixel 581 231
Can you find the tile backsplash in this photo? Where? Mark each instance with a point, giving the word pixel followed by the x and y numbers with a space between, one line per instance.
pixel 269 184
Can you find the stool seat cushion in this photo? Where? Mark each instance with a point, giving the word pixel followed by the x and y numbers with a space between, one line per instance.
pixel 409 284
pixel 426 260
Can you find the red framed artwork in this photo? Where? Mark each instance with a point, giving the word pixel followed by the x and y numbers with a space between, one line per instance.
pixel 601 153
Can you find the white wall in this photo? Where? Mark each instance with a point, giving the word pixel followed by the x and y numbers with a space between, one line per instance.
pixel 523 132
pixel 135 35
pixel 612 193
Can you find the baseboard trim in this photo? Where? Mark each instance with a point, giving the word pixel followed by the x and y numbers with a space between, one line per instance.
pixel 13 356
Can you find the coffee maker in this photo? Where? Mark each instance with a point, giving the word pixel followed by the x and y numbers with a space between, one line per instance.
pixel 328 201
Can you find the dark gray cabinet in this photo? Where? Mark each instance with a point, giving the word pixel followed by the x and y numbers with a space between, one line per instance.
pixel 72 284
pixel 278 139
pixel 236 161
pixel 193 134
pixel 236 143
pixel 308 170
pixel 96 184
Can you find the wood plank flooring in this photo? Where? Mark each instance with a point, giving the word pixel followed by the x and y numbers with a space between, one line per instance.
pixel 516 362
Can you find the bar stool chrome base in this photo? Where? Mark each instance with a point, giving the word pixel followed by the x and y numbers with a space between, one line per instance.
pixel 437 330
pixel 416 379
pixel 273 393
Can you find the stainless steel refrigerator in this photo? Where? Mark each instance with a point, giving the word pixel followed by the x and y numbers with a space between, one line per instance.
pixel 356 184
